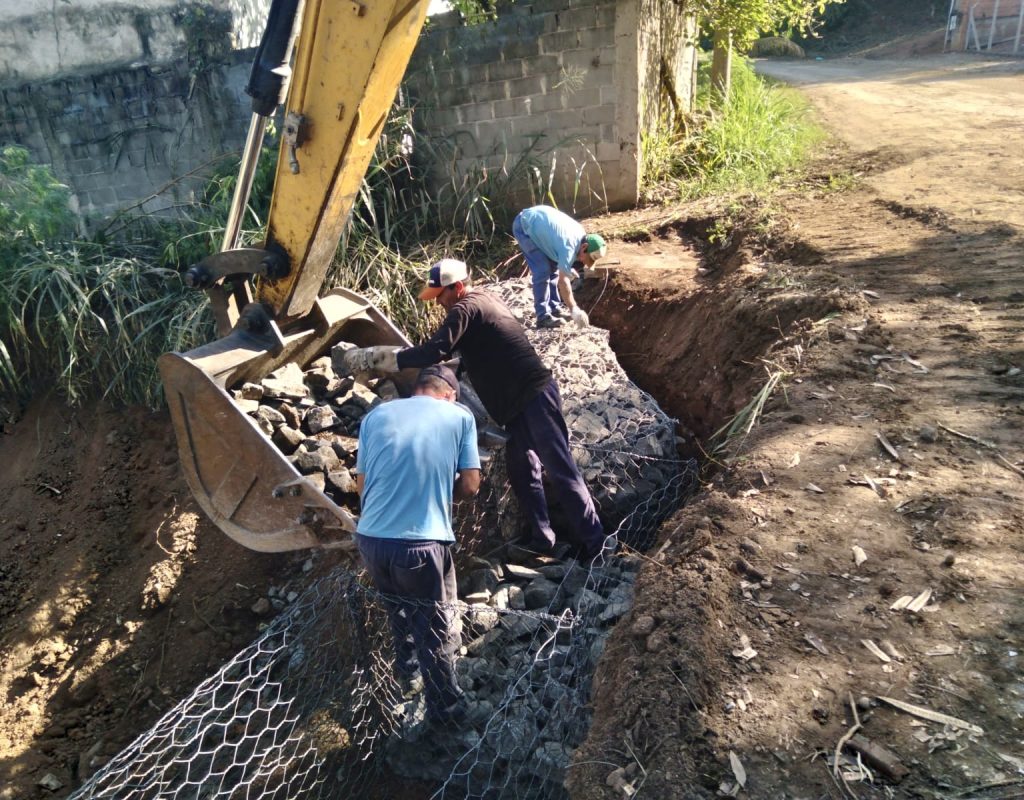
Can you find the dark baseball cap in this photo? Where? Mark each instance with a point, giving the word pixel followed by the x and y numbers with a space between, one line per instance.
pixel 442 372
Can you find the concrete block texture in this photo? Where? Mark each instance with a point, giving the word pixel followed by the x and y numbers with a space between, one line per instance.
pixel 118 137
pixel 527 87
pixel 41 40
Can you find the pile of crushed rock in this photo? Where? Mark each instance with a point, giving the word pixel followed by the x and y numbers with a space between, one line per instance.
pixel 623 442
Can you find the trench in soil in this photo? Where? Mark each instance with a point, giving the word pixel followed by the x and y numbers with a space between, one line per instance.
pixel 691 323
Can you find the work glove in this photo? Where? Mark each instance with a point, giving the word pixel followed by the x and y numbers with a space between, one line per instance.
pixel 383 358
pixel 579 316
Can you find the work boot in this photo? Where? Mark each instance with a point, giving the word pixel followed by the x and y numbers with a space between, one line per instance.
pixel 549 322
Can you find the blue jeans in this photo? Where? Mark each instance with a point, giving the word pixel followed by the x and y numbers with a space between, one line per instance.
pixel 539 442
pixel 418 581
pixel 543 270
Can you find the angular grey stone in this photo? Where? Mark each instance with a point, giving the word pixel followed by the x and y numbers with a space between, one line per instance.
pixel 345 446
pixel 540 593
pixel 500 597
pixel 520 573
pixel 319 418
pixel 292 417
pixel 481 619
pixel 318 480
pixel 287 439
pixel 588 601
pixel 323 459
pixel 341 480
pixel 613 612
pixel 247 406
pixel 250 391
pixel 479 645
pixel 362 397
pixel 554 572
pixel 318 380
pixel 338 357
pixel 386 390
pixel 270 415
pixel 516 598
pixel 519 625
pixel 649 446
pixel 285 381
pixel 483 580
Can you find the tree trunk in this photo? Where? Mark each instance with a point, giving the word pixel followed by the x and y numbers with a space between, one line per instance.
pixel 721 66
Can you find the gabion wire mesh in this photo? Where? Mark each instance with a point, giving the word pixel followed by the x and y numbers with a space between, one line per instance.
pixel 314 707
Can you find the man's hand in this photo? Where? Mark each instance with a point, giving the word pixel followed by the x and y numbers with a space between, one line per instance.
pixel 370 359
pixel 579 316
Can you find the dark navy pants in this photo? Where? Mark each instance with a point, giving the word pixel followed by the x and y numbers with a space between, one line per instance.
pixel 418 581
pixel 539 442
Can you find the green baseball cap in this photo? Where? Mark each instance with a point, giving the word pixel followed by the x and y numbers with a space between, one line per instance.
pixel 596 246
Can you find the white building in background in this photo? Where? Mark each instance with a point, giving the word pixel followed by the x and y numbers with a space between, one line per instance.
pixel 44 39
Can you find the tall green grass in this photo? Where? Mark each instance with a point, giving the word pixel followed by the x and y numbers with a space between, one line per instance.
pixel 762 131
pixel 91 317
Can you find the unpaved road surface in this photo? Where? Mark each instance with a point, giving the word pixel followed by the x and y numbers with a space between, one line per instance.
pixel 953 124
pixel 760 637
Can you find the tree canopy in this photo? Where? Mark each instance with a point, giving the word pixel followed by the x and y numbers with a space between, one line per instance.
pixel 745 20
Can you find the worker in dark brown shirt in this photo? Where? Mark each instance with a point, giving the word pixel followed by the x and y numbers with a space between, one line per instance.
pixel 518 392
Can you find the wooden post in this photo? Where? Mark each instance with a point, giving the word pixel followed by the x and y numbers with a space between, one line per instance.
pixel 992 27
pixel 1020 23
pixel 721 65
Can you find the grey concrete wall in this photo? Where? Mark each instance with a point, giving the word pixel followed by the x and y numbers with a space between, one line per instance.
pixel 119 137
pixel 45 39
pixel 556 85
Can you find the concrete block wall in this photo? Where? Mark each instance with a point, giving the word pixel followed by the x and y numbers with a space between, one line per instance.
pixel 555 85
pixel 119 137
pixel 42 39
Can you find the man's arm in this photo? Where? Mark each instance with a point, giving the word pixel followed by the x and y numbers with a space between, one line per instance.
pixel 467 484
pixel 360 483
pixel 440 346
pixel 565 290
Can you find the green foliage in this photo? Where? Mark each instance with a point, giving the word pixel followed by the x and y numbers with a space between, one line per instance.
pixel 92 317
pixel 748 19
pixel 85 320
pixel 34 208
pixel 762 131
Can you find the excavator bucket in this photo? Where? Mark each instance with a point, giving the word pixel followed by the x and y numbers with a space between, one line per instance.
pixel 240 479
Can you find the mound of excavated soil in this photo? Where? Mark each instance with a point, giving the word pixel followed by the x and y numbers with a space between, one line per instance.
pixel 890 470
pixel 116 596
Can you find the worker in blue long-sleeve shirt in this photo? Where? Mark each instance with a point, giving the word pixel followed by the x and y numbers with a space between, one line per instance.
pixel 552 243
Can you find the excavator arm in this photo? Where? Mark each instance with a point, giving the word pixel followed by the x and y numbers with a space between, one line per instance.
pixel 345 68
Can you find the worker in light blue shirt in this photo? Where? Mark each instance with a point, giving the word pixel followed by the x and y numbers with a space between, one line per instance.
pixel 552 243
pixel 415 455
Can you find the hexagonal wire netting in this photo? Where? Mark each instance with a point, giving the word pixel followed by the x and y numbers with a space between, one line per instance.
pixel 314 708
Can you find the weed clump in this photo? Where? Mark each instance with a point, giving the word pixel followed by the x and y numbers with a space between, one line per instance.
pixel 744 143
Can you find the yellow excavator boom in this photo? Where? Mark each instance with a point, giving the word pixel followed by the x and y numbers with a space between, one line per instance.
pixel 348 60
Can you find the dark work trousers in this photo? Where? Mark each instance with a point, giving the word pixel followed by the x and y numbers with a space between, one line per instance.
pixel 539 440
pixel 418 581
pixel 543 272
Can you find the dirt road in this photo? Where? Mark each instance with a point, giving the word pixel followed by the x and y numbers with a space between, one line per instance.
pixel 953 126
pixel 760 631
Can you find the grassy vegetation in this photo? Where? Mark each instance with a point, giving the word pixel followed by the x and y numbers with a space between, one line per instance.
pixel 90 317
pixel 760 133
